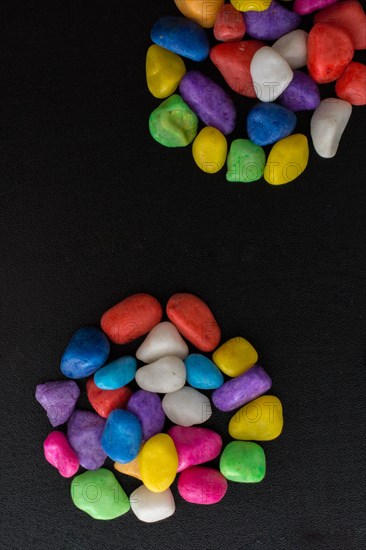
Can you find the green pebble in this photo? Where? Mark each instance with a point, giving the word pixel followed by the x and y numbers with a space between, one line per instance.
pixel 243 461
pixel 173 124
pixel 245 161
pixel 99 494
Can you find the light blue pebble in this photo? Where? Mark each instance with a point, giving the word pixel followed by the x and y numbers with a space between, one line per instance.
pixel 86 352
pixel 269 122
pixel 181 36
pixel 116 374
pixel 202 373
pixel 122 436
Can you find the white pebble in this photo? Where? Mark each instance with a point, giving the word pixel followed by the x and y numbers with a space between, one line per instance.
pixel 271 74
pixel 293 47
pixel 165 375
pixel 327 125
pixel 186 407
pixel 162 340
pixel 150 507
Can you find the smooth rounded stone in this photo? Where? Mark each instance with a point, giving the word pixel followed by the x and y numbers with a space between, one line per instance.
pixel 173 123
pixel 259 420
pixel 194 320
pixel 165 375
pixel 350 16
pixel 302 94
pixel 116 374
pixel 164 339
pixel 328 124
pixel 251 5
pixel 148 409
pixel 58 452
pixel 303 7
pixel 187 406
pixel 58 400
pixel 202 373
pixel 195 445
pixel 181 36
pixel 293 47
pixel 229 24
pixel 105 401
pixel 209 101
pixel 202 12
pixel 151 507
pixel 287 160
pixel 272 23
pixel 131 318
pixel 271 74
pixel 122 436
pixel 269 122
pixel 240 390
pixel 99 494
pixel 84 431
pixel 131 469
pixel 202 485
pixel 209 150
pixel 243 462
pixel 158 463
pixel 245 161
pixel 351 85
pixel 235 356
pixel 330 50
pixel 164 71
pixel 233 61
pixel 86 352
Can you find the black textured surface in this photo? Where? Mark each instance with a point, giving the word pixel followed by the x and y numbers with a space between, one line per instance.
pixel 93 210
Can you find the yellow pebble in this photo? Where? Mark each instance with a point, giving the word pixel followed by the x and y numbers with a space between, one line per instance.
pixel 202 12
pixel 235 356
pixel 158 462
pixel 130 468
pixel 287 160
pixel 259 420
pixel 164 71
pixel 209 150
pixel 251 5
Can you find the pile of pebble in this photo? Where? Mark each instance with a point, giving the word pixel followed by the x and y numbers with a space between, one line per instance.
pixel 128 426
pixel 255 69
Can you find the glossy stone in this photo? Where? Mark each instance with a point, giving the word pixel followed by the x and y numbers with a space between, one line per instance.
pixel 202 373
pixel 259 420
pixel 202 485
pixel 235 356
pixel 116 374
pixel 195 445
pixel 158 463
pixel 164 71
pixel 328 124
pixel 287 160
pixel 243 462
pixel 209 150
pixel 58 452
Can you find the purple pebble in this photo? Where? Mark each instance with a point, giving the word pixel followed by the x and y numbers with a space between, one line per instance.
pixel 209 101
pixel 302 94
pixel 271 23
pixel 147 407
pixel 84 430
pixel 58 399
pixel 242 389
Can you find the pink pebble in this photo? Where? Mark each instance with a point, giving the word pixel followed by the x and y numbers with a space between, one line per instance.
pixel 201 485
pixel 59 453
pixel 195 445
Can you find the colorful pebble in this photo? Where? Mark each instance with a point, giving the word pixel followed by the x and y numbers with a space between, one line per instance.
pixel 148 409
pixel 86 352
pixel 173 124
pixel 271 74
pixel 287 160
pixel 251 5
pixel 58 400
pixel 105 401
pixel 202 485
pixel 58 452
pixel 151 507
pixel 259 420
pixel 229 24
pixel 158 463
pixel 351 85
pixel 195 445
pixel 304 7
pixel 350 16
pixel 293 47
pixel 122 436
pixel 235 356
pixel 245 161
pixel 165 375
pixel 181 36
pixel 202 373
pixel 84 431
pixel 269 122
pixel 187 406
pixel 202 12
pixel 272 23
pixel 164 71
pixel 209 150
pixel 328 124
pixel 116 374
pixel 131 469
pixel 164 339
pixel 302 94
pixel 243 462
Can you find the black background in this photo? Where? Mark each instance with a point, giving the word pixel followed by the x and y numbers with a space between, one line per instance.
pixel 94 210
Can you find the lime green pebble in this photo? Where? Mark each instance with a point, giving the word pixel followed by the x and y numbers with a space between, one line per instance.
pixel 243 461
pixel 99 494
pixel 173 124
pixel 245 161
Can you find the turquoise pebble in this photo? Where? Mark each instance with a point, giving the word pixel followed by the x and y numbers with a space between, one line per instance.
pixel 116 374
pixel 202 373
pixel 268 123
pixel 122 436
pixel 86 352
pixel 181 36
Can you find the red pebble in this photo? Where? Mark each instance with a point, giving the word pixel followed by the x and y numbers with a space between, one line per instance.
pixel 229 24
pixel 330 50
pixel 105 401
pixel 233 61
pixel 350 16
pixel 131 318
pixel 351 86
pixel 194 320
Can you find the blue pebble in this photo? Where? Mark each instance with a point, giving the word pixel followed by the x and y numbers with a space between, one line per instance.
pixel 86 352
pixel 202 373
pixel 122 436
pixel 181 36
pixel 116 374
pixel 269 122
